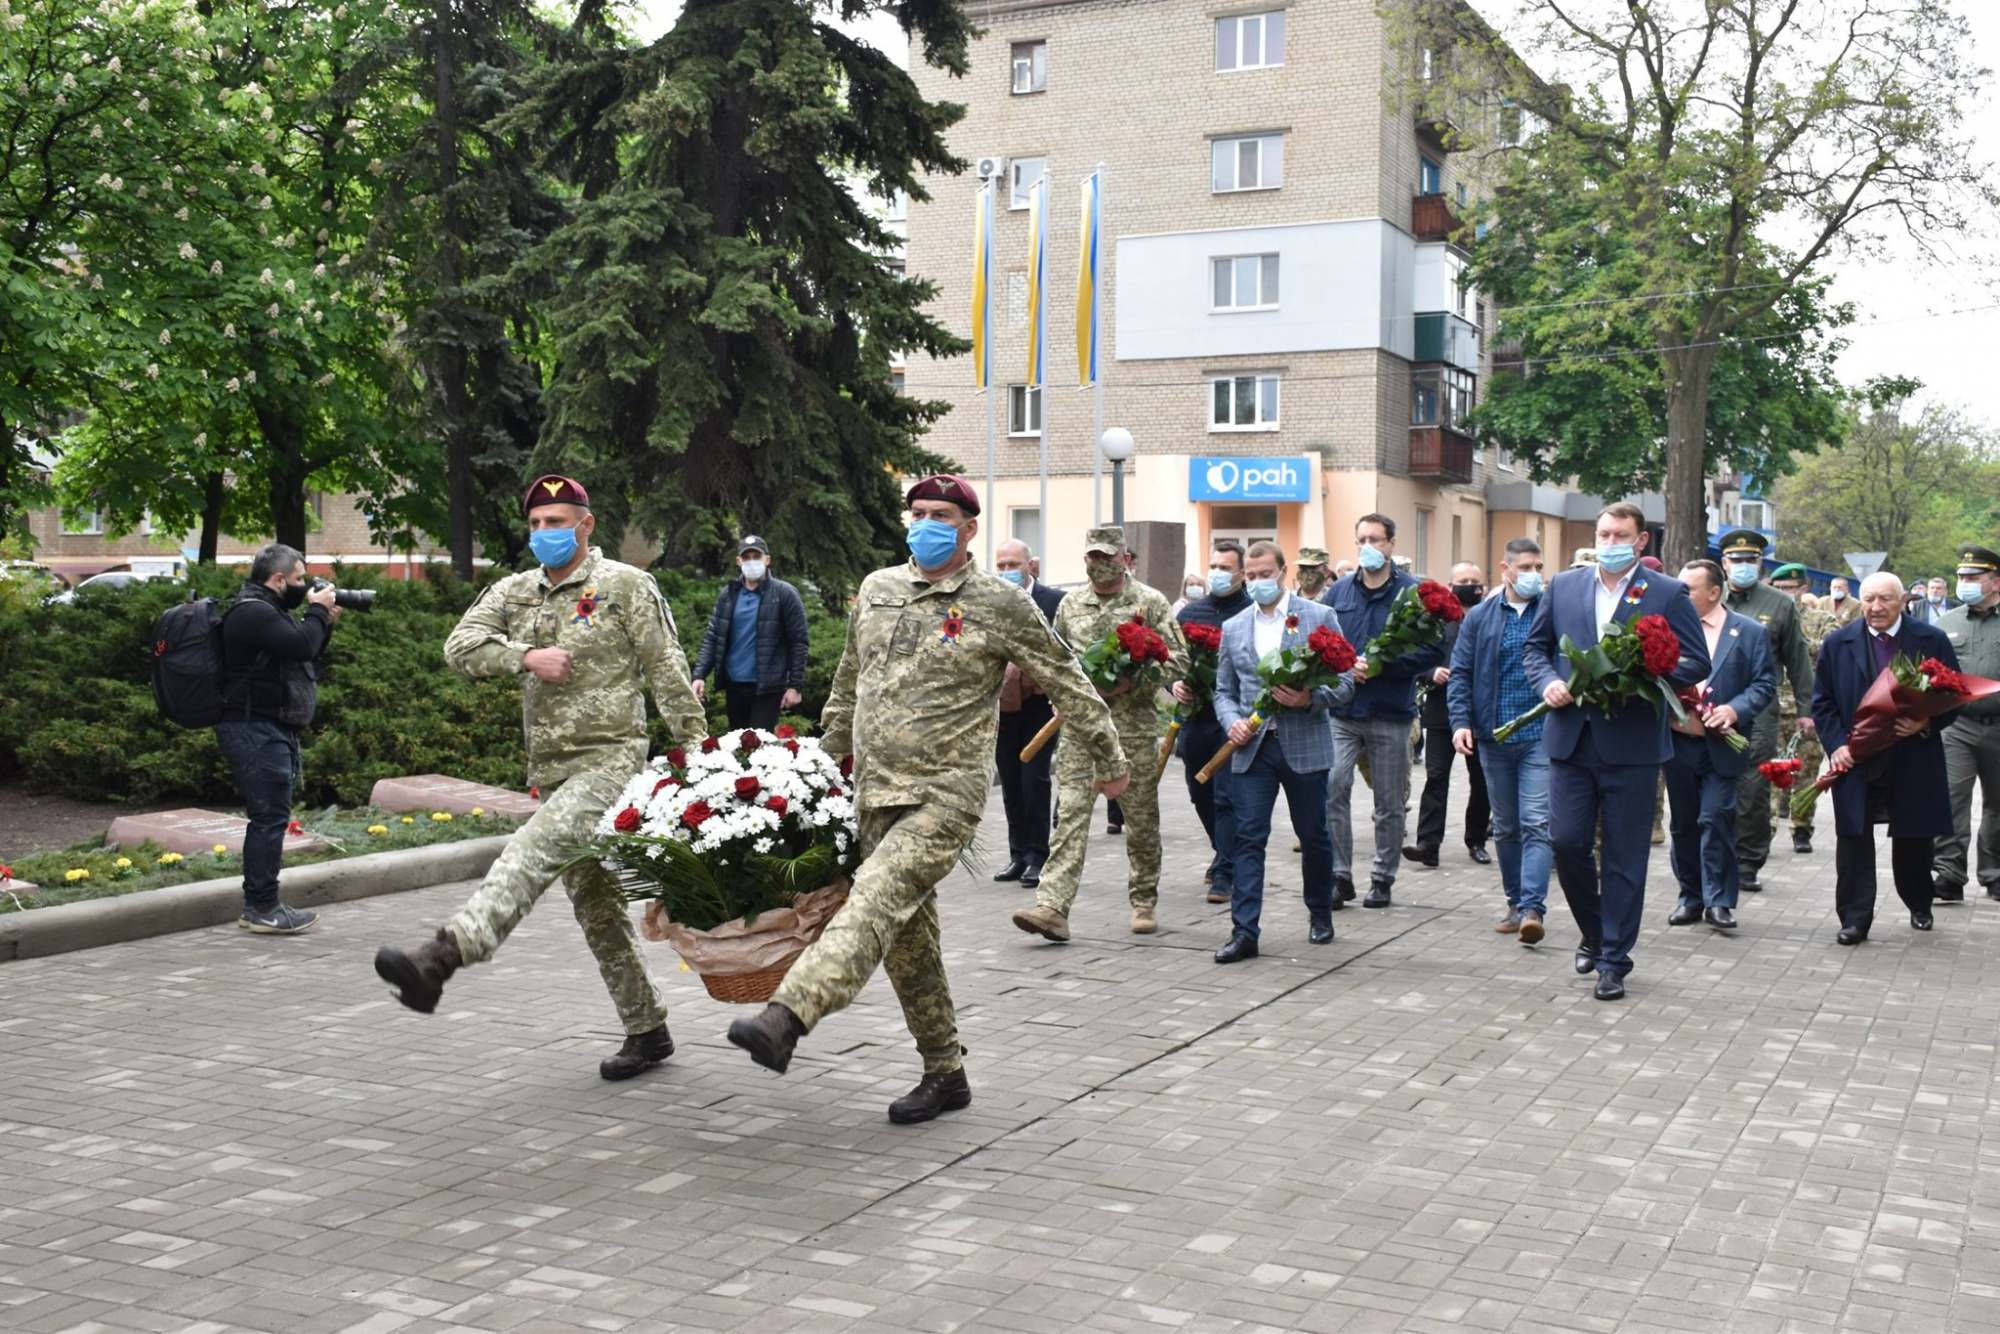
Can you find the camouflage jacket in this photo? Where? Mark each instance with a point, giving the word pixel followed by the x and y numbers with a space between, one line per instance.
pixel 914 698
pixel 1815 625
pixel 1087 616
pixel 614 623
pixel 1779 616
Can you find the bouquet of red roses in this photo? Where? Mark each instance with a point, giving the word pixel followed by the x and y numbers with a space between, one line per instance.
pixel 1631 659
pixel 1416 621
pixel 1204 654
pixel 1322 660
pixel 1905 689
pixel 1700 701
pixel 1132 654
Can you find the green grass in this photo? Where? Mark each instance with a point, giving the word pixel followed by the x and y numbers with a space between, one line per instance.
pixel 346 829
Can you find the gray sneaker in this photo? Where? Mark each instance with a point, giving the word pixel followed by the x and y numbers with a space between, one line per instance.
pixel 280 921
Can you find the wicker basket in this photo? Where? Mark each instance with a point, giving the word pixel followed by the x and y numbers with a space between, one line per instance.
pixel 745 988
pixel 743 965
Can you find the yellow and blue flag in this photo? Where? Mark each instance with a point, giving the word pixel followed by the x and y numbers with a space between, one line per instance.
pixel 982 288
pixel 1038 254
pixel 1086 285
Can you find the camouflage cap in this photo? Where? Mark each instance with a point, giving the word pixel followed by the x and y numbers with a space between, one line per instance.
pixel 1107 541
pixel 1311 556
pixel 555 489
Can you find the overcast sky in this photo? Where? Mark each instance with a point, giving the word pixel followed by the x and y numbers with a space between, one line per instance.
pixel 1938 323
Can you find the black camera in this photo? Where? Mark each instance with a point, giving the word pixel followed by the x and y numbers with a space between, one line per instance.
pixel 349 599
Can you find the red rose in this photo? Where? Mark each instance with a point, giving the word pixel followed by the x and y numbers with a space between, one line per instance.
pixel 695 814
pixel 709 745
pixel 749 741
pixel 534 794
pixel 747 788
pixel 777 805
pixel 628 820
pixel 1659 646
pixel 295 828
pixel 1940 677
pixel 668 781
pixel 792 746
pixel 6 873
pixel 833 792
pixel 1333 651
pixel 846 766
pixel 678 758
pixel 1781 773
pixel 1207 637
pixel 786 730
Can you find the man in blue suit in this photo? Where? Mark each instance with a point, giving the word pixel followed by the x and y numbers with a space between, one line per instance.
pixel 1604 768
pixel 1702 775
pixel 1293 751
pixel 1904 786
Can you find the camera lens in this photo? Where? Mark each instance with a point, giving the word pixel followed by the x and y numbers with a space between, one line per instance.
pixel 355 599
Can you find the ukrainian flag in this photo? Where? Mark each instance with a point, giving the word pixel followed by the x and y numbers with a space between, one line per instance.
pixel 1086 285
pixel 1038 254
pixel 982 288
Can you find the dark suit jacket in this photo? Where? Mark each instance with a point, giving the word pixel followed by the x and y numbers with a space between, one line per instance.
pixel 1744 676
pixel 1048 597
pixel 1919 796
pixel 1635 734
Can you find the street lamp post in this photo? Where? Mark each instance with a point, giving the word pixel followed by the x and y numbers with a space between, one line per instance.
pixel 1116 445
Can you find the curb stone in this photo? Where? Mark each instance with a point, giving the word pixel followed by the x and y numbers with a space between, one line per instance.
pixel 38 932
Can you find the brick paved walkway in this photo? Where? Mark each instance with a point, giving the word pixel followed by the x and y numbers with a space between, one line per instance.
pixel 1422 1126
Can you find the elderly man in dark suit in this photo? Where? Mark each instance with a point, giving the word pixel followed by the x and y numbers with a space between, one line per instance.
pixel 1605 767
pixel 1025 789
pixel 1905 786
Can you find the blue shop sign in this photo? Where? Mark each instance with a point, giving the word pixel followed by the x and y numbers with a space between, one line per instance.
pixel 1233 477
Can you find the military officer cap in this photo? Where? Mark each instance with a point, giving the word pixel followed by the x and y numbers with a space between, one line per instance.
pixel 1791 571
pixel 1975 559
pixel 1744 542
pixel 753 543
pixel 945 486
pixel 1107 541
pixel 555 489
pixel 1311 556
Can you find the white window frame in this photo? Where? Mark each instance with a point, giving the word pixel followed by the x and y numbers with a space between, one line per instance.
pixel 1229 150
pixel 1274 279
pixel 1024 405
pixel 94 518
pixel 1265 391
pixel 1035 54
pixel 1024 524
pixel 1018 198
pixel 1236 25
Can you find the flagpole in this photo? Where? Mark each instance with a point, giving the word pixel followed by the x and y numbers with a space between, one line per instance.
pixel 1037 331
pixel 986 352
pixel 1097 343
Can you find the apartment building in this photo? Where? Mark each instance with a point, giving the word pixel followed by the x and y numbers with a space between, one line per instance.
pixel 1288 333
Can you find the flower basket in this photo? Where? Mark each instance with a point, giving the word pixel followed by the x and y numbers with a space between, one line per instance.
pixel 743 962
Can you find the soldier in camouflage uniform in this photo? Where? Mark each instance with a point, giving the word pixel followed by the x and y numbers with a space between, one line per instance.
pixel 1742 558
pixel 1815 624
pixel 1972 744
pixel 588 635
pixel 915 701
pixel 1086 616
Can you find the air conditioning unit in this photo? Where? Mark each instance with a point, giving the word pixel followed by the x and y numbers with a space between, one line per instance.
pixel 991 168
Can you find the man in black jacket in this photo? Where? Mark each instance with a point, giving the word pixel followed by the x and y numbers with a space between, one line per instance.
pixel 756 639
pixel 270 687
pixel 1439 754
pixel 1026 790
pixel 1202 734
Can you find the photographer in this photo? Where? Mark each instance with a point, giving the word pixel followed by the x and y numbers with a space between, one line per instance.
pixel 270 685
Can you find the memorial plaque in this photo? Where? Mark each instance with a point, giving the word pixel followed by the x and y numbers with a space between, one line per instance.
pixel 193 831
pixel 436 792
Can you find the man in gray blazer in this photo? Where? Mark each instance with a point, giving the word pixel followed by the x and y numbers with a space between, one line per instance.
pixel 1293 751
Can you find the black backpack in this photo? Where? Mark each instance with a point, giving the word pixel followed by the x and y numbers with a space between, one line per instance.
pixel 187 663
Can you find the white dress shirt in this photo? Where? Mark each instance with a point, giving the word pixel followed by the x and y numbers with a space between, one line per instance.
pixel 1607 598
pixel 1268 627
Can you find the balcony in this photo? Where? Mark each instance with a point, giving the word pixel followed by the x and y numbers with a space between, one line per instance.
pixel 1440 454
pixel 1431 219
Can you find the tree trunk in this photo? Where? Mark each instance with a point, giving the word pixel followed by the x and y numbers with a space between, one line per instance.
pixel 451 363
pixel 284 446
pixel 1686 481
pixel 211 517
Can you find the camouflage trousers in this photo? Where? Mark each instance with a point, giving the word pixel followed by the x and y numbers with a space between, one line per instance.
pixel 890 918
pixel 1062 873
pixel 568 817
pixel 1814 756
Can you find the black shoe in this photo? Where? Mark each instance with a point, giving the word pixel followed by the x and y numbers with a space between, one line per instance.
pixel 1586 959
pixel 948 1092
pixel 1802 840
pixel 1031 875
pixel 1992 890
pixel 1945 893
pixel 1014 870
pixel 1478 853
pixel 1114 828
pixel 1721 918
pixel 419 975
pixel 1921 921
pixel 641 1052
pixel 1343 890
pixel 1850 935
pixel 1322 927
pixel 1422 856
pixel 1378 893
pixel 1610 987
pixel 769 1037
pixel 1748 885
pixel 1239 948
pixel 1684 914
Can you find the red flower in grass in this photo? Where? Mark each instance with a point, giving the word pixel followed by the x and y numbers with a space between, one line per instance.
pixel 749 741
pixel 628 820
pixel 1659 646
pixel 295 828
pixel 785 731
pixel 694 815
pixel 1440 601
pixel 709 745
pixel 1332 649
pixel 6 873
pixel 778 805
pixel 747 788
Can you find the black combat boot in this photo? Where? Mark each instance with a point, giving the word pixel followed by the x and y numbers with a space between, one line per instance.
pixel 419 975
pixel 641 1051
pixel 770 1037
pixel 936 1093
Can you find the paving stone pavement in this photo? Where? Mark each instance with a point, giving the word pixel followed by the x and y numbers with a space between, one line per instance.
pixel 1422 1126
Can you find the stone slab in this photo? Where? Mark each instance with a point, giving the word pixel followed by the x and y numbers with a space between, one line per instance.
pixel 193 830
pixel 438 792
pixel 8 885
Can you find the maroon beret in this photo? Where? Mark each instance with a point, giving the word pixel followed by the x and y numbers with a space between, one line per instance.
pixel 555 489
pixel 948 487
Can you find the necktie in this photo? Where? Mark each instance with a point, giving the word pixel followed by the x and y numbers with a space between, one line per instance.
pixel 1885 650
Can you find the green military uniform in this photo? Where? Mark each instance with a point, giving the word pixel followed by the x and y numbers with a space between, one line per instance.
pixel 1084 617
pixel 586 737
pixel 1779 616
pixel 1815 624
pixel 915 701
pixel 1972 742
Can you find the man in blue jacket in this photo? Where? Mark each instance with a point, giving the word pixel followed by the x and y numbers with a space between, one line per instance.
pixel 1605 767
pixel 1488 688
pixel 1701 776
pixel 1376 721
pixel 757 639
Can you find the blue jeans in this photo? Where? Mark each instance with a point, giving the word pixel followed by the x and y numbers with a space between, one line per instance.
pixel 1517 782
pixel 1252 794
pixel 264 756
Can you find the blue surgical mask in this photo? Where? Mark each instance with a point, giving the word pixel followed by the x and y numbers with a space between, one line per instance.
pixel 1014 577
pixel 1617 557
pixel 553 547
pixel 933 543
pixel 1970 590
pixel 1371 558
pixel 1743 574
pixel 1528 585
pixel 1220 582
pixel 1264 591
